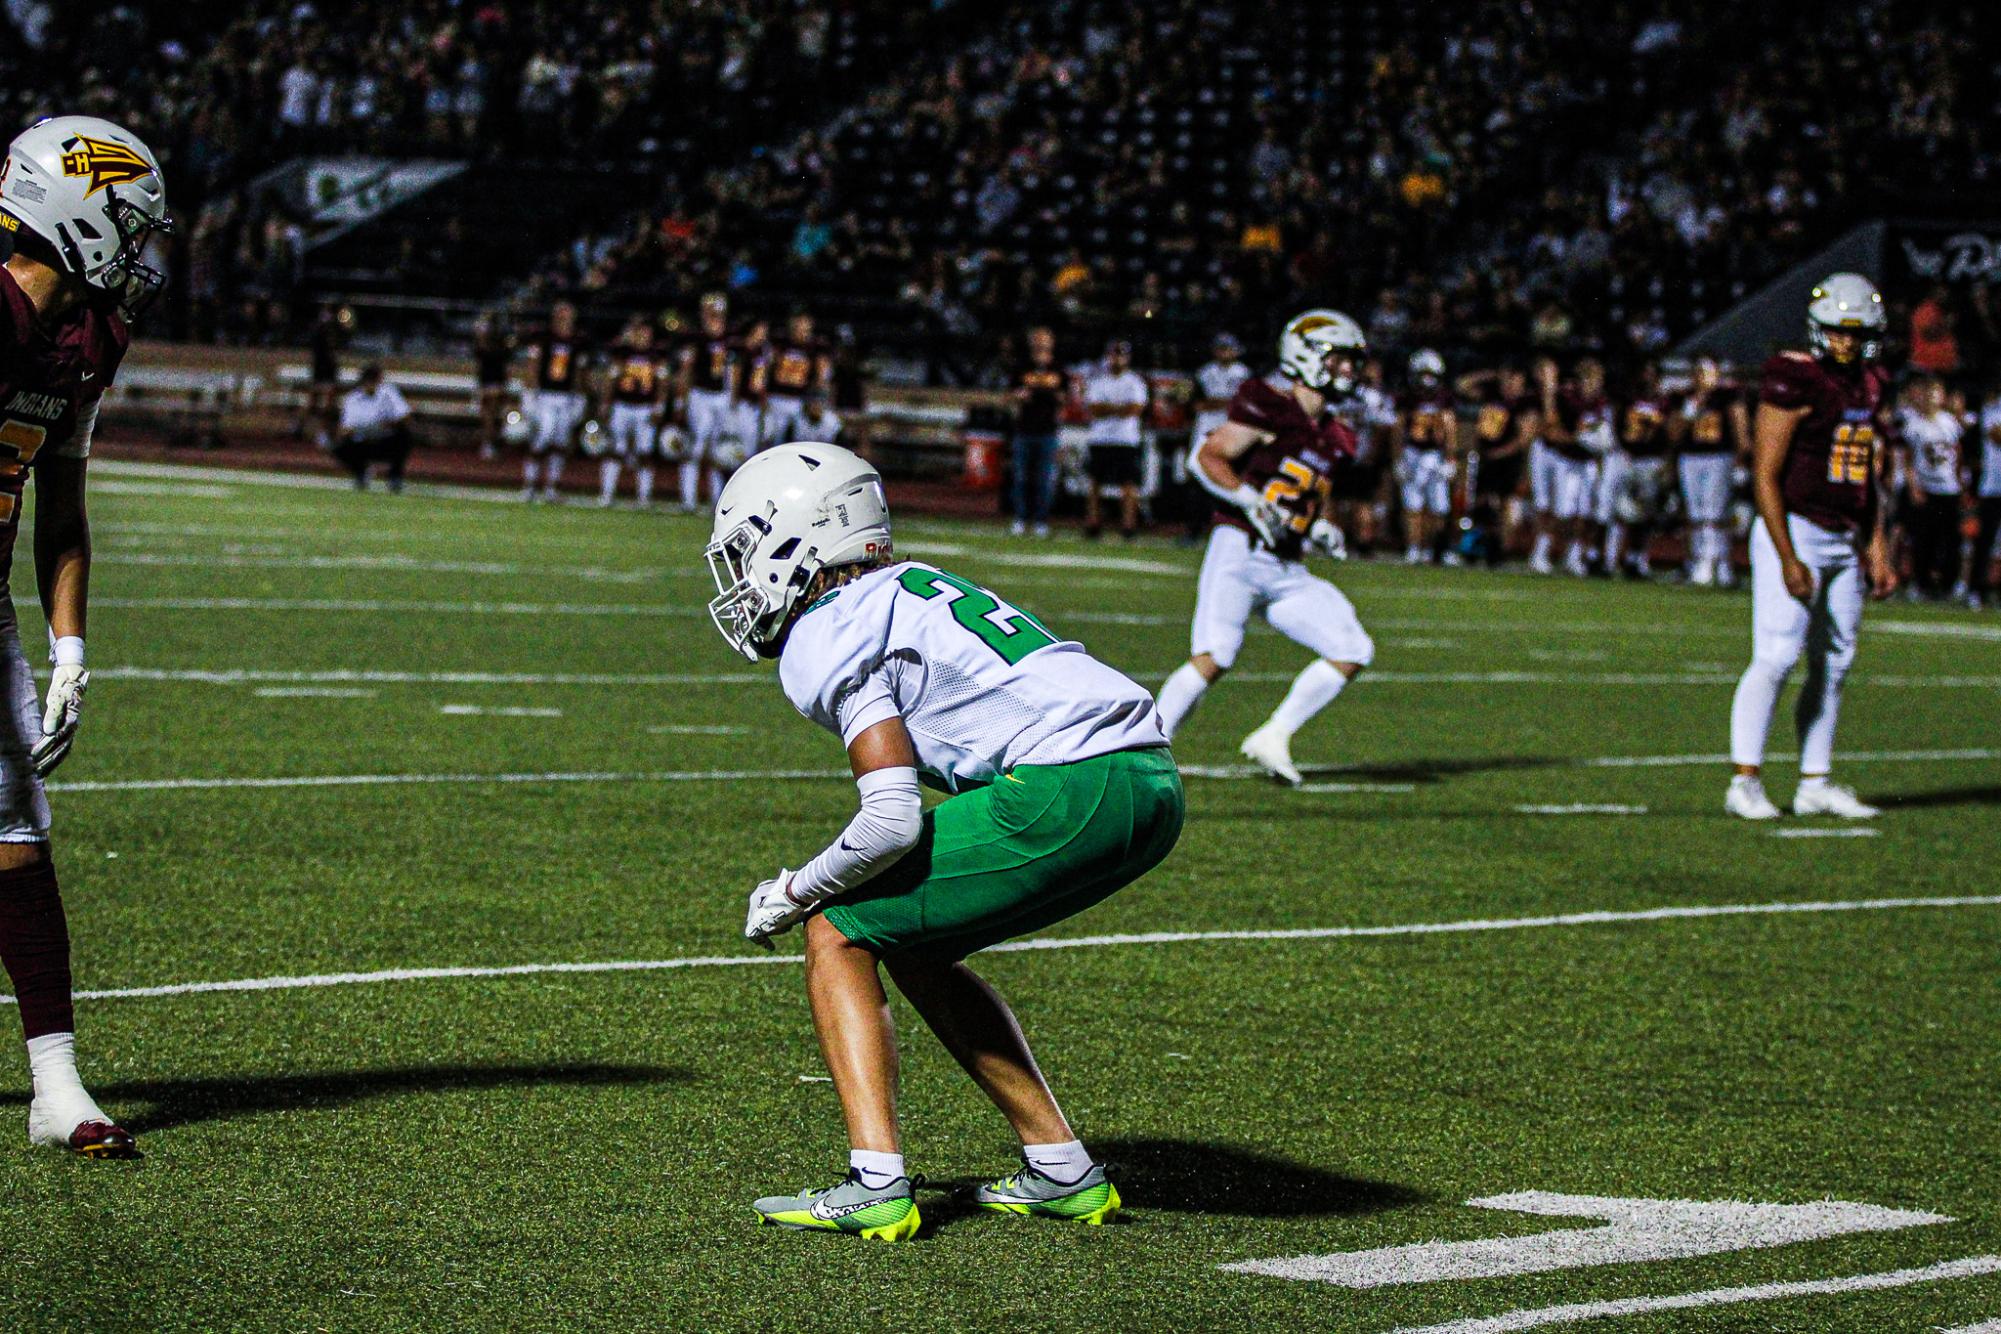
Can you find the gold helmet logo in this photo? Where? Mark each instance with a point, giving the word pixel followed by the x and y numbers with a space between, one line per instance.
pixel 105 162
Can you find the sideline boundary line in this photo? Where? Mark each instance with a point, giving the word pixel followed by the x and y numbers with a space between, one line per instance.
pixel 1686 912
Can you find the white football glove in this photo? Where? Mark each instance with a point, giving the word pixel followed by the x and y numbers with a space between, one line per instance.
pixel 59 719
pixel 1327 535
pixel 1268 521
pixel 773 911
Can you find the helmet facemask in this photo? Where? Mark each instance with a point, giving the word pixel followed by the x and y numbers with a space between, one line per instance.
pixel 748 617
pixel 127 278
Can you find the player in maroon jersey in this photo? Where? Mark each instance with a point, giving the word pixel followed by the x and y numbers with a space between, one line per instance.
pixel 801 366
pixel 1507 422
pixel 558 404
pixel 636 391
pixel 703 384
pixel 1427 456
pixel 1576 435
pixel 1634 481
pixel 1270 465
pixel 79 199
pixel 1817 469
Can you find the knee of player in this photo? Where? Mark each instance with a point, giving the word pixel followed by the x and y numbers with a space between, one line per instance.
pixel 1776 660
pixel 1209 668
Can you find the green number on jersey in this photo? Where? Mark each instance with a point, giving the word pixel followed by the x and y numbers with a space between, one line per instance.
pixel 1008 631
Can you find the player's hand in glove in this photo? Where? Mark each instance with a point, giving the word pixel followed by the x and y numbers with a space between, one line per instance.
pixel 1267 520
pixel 773 910
pixel 59 719
pixel 1328 537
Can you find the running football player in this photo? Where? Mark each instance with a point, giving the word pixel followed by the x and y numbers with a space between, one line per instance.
pixel 1065 791
pixel 1817 471
pixel 1429 442
pixel 1269 464
pixel 79 199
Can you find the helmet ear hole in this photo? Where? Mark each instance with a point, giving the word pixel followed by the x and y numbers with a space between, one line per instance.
pixel 785 549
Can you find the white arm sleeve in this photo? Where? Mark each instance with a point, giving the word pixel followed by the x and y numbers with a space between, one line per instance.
pixel 78 444
pixel 1244 497
pixel 886 827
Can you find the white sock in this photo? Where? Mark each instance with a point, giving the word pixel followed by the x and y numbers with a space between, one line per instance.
pixel 554 472
pixel 1412 554
pixel 875 1169
pixel 1615 545
pixel 1812 782
pixel 607 480
pixel 1179 695
pixel 1313 690
pixel 1540 555
pixel 52 1061
pixel 646 484
pixel 1576 556
pixel 531 471
pixel 691 479
pixel 1062 1163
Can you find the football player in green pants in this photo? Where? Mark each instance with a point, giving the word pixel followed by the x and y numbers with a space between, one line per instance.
pixel 1064 792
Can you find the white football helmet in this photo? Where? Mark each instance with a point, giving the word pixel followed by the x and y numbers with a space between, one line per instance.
pixel 92 192
pixel 791 512
pixel 1846 303
pixel 1426 364
pixel 1312 340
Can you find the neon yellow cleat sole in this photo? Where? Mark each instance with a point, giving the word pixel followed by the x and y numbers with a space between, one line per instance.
pixel 889 1214
pixel 1091 1201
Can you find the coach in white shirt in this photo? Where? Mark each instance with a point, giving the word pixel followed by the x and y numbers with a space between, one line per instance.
pixel 374 428
pixel 1115 395
pixel 1930 439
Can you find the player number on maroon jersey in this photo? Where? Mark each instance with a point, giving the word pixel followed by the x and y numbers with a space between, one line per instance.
pixel 19 442
pixel 1294 480
pixel 1848 460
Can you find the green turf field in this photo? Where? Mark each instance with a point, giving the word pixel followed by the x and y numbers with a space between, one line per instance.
pixel 560 1151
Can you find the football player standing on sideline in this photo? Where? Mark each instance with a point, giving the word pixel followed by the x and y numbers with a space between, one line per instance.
pixel 636 391
pixel 1715 433
pixel 1041 388
pixel 1116 396
pixel 1928 435
pixel 1428 446
pixel 557 408
pixel 1990 495
pixel 1270 464
pixel 1817 472
pixel 704 385
pixel 79 199
pixel 1066 792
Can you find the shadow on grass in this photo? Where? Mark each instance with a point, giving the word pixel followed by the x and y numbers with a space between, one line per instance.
pixel 179 1102
pixel 1950 796
pixel 1184 1176
pixel 1432 771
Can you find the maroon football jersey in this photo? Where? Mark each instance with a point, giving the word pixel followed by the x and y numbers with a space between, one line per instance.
pixel 1494 422
pixel 558 362
pixel 752 370
pixel 709 365
pixel 1294 468
pixel 798 368
pixel 1829 474
pixel 1643 428
pixel 637 377
pixel 1579 415
pixel 1427 420
pixel 1709 423
pixel 48 376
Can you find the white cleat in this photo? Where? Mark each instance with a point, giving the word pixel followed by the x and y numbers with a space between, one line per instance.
pixel 1540 565
pixel 1272 749
pixel 1746 799
pixel 1574 566
pixel 1832 799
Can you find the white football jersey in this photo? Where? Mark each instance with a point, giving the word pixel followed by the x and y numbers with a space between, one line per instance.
pixel 1933 440
pixel 1990 467
pixel 981 685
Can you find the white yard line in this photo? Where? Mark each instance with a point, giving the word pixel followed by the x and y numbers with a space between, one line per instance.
pixel 1217 771
pixel 1825 833
pixel 1690 912
pixel 490 711
pixel 697 729
pixel 238 676
pixel 1971 1267
pixel 198 491
pixel 1582 808
pixel 399 605
pixel 1982 1327
pixel 395 565
pixel 316 692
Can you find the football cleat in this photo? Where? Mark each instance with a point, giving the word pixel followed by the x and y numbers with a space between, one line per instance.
pixel 1272 749
pixel 1092 1198
pixel 1746 799
pixel 79 1126
pixel 885 1214
pixel 1832 799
